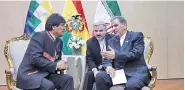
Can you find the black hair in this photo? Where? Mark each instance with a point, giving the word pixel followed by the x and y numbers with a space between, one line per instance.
pixel 54 19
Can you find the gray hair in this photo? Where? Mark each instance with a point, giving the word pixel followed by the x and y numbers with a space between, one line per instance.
pixel 120 18
pixel 99 23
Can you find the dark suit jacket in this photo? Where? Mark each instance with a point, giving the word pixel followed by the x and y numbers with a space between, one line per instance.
pixel 93 56
pixel 34 66
pixel 130 56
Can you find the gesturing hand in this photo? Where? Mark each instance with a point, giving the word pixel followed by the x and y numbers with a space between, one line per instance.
pixel 108 54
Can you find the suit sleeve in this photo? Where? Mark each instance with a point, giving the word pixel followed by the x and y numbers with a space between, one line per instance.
pixel 89 57
pixel 35 51
pixel 135 53
pixel 106 63
pixel 59 50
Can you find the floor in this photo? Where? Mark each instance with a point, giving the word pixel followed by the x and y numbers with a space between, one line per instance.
pixel 173 84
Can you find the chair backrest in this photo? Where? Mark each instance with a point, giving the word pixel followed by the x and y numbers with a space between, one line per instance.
pixel 149 47
pixel 14 52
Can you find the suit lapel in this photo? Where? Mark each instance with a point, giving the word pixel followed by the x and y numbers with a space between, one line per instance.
pixel 126 41
pixel 106 41
pixel 117 43
pixel 96 43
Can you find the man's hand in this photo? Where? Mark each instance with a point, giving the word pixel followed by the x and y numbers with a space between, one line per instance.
pixel 111 71
pixel 61 65
pixel 95 71
pixel 108 54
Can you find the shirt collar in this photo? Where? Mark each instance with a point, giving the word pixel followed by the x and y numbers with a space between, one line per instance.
pixel 102 45
pixel 123 37
pixel 52 35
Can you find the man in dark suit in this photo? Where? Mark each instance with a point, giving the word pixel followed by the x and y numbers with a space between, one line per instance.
pixel 95 45
pixel 126 52
pixel 41 66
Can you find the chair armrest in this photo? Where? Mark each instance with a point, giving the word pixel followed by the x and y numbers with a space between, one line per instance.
pixel 9 78
pixel 153 71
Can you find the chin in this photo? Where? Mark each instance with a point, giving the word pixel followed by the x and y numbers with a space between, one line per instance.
pixel 60 35
pixel 99 39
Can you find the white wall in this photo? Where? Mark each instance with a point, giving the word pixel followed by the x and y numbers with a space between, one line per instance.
pixel 161 20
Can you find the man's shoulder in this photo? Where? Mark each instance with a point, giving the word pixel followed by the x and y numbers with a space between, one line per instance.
pixel 109 36
pixel 113 38
pixel 90 40
pixel 39 34
pixel 135 33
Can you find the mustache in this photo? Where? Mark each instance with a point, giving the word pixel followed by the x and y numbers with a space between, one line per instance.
pixel 98 35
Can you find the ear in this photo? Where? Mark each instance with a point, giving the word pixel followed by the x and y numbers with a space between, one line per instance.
pixel 125 25
pixel 53 27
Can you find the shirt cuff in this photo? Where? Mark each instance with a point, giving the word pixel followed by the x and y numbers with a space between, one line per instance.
pixel 94 69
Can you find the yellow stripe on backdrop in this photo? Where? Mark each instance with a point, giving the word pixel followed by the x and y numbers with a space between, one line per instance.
pixel 74 7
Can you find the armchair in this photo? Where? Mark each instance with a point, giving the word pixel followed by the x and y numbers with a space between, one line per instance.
pixel 14 51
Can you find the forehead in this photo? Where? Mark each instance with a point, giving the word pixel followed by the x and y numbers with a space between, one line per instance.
pixel 99 27
pixel 115 21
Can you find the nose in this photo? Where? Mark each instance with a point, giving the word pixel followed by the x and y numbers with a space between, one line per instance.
pixel 98 32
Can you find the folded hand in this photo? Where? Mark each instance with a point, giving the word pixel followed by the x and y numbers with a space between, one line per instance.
pixel 61 65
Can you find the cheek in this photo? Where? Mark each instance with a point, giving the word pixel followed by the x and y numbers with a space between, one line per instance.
pixel 59 31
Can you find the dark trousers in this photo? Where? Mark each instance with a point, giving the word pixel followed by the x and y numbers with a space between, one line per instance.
pixel 89 81
pixel 56 81
pixel 104 82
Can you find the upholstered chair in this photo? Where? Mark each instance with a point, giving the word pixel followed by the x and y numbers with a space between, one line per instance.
pixel 14 51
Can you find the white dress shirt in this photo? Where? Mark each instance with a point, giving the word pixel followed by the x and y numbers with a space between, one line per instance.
pixel 102 48
pixel 102 45
pixel 122 39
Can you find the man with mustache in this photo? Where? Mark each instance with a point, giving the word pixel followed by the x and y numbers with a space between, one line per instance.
pixel 41 66
pixel 95 45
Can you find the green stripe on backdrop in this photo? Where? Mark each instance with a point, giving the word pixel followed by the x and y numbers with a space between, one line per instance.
pixel 33 6
pixel 33 22
pixel 113 5
pixel 66 50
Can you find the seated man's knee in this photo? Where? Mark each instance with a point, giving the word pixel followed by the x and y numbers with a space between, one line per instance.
pixel 47 86
pixel 51 87
pixel 70 78
pixel 99 76
pixel 66 79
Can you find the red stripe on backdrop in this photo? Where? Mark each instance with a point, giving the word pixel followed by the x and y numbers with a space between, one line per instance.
pixel 78 5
